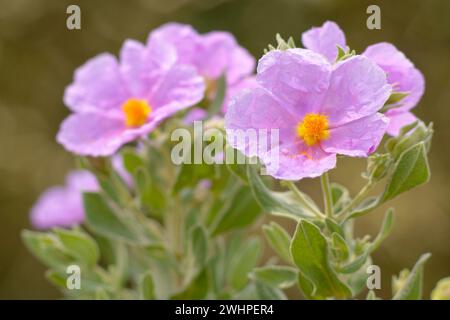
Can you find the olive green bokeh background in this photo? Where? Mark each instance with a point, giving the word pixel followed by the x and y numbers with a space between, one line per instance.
pixel 38 56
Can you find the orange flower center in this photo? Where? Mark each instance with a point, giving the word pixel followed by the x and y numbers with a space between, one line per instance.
pixel 136 112
pixel 313 129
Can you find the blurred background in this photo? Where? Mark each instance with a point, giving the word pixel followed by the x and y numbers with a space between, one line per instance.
pixel 38 56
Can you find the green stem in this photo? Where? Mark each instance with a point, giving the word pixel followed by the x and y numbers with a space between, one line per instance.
pixel 326 190
pixel 356 200
pixel 301 197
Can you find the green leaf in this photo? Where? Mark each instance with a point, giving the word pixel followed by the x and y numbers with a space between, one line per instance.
pixel 147 287
pixel 339 195
pixel 198 289
pixel 238 169
pixel 395 97
pixel 149 193
pixel 411 287
pixel 101 219
pixel 79 245
pixel 309 250
pixel 57 278
pixel 199 240
pixel 340 247
pixel 131 160
pixel 442 290
pixel 355 264
pixel 385 230
pixel 47 248
pixel 276 276
pixel 410 170
pixel 244 261
pixel 266 292
pixel 307 288
pixel 279 240
pixel 334 227
pixel 276 203
pixel 240 211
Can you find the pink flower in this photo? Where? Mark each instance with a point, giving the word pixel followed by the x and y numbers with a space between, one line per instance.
pixel 401 73
pixel 62 206
pixel 320 110
pixel 114 102
pixel 212 54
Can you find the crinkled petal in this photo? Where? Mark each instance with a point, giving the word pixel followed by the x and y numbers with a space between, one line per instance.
pixel 358 88
pixel 398 120
pixel 195 114
pixel 92 134
pixel 182 37
pixel 62 206
pixel 299 78
pixel 401 73
pixel 253 110
pixel 324 40
pixel 97 87
pixel 290 162
pixel 57 207
pixel 241 66
pixel 180 88
pixel 81 180
pixel 142 66
pixel 358 138
pixel 234 89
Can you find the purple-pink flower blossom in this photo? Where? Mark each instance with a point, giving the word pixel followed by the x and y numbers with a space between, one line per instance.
pixel 114 102
pixel 212 54
pixel 401 73
pixel 62 206
pixel 320 109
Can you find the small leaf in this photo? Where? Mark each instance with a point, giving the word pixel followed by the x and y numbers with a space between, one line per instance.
pixel 47 248
pixel 309 250
pixel 410 170
pixel 355 264
pixel 131 160
pixel 147 287
pixel 334 227
pixel 244 261
pixel 340 247
pixel 266 292
pixel 396 96
pixel 276 203
pixel 240 211
pixel 411 288
pixel 101 219
pixel 199 245
pixel 371 295
pixel 276 276
pixel 386 228
pixel 279 240
pixel 79 245
pixel 442 290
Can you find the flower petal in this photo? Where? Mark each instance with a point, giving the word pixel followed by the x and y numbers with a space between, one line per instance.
pixel 62 206
pixel 97 87
pixel 92 134
pixel 180 88
pixel 182 37
pixel 299 78
pixel 358 138
pixel 253 110
pixel 324 40
pixel 358 88
pixel 401 72
pixel 241 66
pixel 398 120
pixel 234 89
pixel 287 162
pixel 142 66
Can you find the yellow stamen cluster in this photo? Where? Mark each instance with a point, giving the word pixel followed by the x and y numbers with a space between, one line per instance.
pixel 313 129
pixel 136 112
